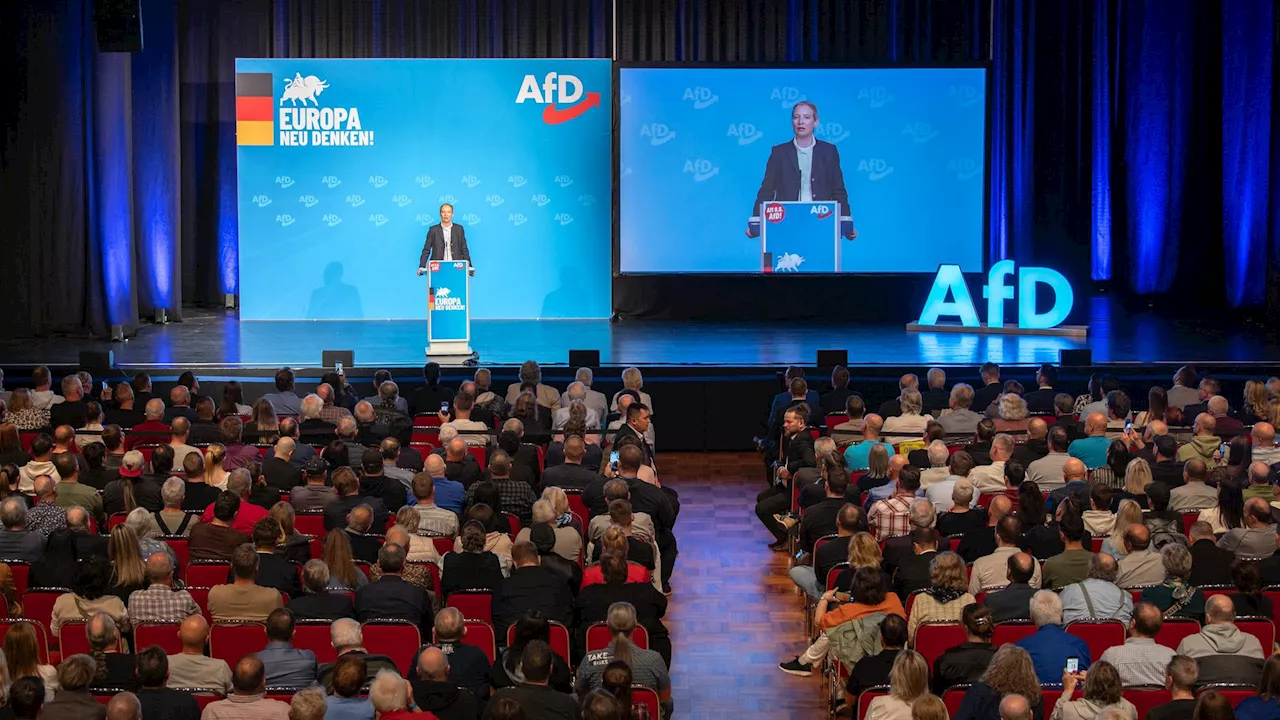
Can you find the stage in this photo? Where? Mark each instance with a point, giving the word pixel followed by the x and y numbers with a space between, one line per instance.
pixel 215 340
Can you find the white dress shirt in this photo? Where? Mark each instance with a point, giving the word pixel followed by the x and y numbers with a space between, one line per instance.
pixel 448 246
pixel 804 158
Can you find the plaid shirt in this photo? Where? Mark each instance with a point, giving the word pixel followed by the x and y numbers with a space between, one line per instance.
pixel 891 517
pixel 516 496
pixel 161 602
pixel 46 517
pixel 435 520
pixel 333 413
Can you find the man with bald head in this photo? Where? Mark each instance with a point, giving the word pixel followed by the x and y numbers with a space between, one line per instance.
pixel 160 602
pixel 1013 602
pixel 1036 445
pixel 46 517
pixel 1194 494
pixel 249 701
pixel 1258 536
pixel 1141 661
pixel 1221 650
pixel 1205 443
pixel 1264 448
pixel 434 693
pixel 1141 564
pixel 459 464
pixel 124 706
pixel 1097 595
pixel 179 405
pixel 1092 449
pixel 446 492
pixel 1075 478
pixel 981 543
pixel 571 474
pixel 179 433
pixel 990 478
pixel 468 665
pixel 153 431
pixel 855 456
pixel 991 571
pixel 331 412
pixel 347 431
pixel 1015 707
pixel 1260 482
pixel 359 526
pixel 278 467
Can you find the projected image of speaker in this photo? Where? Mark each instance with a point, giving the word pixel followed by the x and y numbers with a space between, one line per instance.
pixel 118 25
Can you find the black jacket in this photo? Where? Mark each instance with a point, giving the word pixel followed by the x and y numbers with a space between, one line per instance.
pixel 958 523
pixel 465 471
pixel 1211 565
pixel 963 663
pixel 1168 472
pixel 281 474
pixel 468 667
pixel 68 412
pixel 146 493
pixel 540 702
pixel 427 399
pixel 433 247
pixel 314 431
pixel 985 395
pixel 567 570
pixel 389 490
pixel 977 543
pixel 1011 603
pixel 446 700
pixel 627 431
pixel 913 574
pixel 392 597
pixel 828 555
pixel 1040 401
pixel 335 513
pixel 638 551
pixel 471 571
pixel 531 588
pixel 934 401
pixel 568 475
pixel 364 547
pixel 1030 451
pixel 797 451
pixel 836 401
pixel 168 704
pixel 592 606
pixel 782 175
pixel 325 606
pixel 276 572
pixel 870 671
pixel 818 521
pixel 199 495
pixel 555 458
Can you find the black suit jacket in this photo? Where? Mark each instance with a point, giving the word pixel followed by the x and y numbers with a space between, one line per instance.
pixel 325 606
pixel 935 401
pixel 985 395
pixel 364 547
pixel 276 572
pixel 392 597
pixel 568 475
pixel 1030 451
pixel 836 401
pixel 782 176
pixel 797 451
pixel 1011 603
pixel 281 474
pixel 913 574
pixel 1211 565
pixel 335 513
pixel 626 430
pixel 433 248
pixel 531 588
pixel 1040 402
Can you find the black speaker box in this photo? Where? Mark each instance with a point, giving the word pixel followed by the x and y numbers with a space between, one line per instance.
pixel 832 358
pixel 584 358
pixel 1075 358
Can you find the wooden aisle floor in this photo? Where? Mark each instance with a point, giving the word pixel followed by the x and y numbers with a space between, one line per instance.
pixel 734 613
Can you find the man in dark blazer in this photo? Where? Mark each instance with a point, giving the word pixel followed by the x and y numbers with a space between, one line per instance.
pixel 319 603
pixel 1013 601
pixel 278 467
pixel 571 474
pixel 286 665
pixel 1040 400
pixel 530 587
pixel 445 241
pixel 990 390
pixel 637 422
pixel 912 573
pixel 803 157
pixel 273 570
pixel 349 498
pixel 392 597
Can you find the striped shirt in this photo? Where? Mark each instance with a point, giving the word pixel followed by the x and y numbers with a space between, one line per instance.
pixel 435 520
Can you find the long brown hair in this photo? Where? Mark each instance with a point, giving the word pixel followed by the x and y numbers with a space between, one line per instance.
pixel 21 653
pixel 1011 672
pixel 127 567
pixel 337 555
pixel 10 440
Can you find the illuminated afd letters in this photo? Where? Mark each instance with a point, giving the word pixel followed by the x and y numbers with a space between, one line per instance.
pixel 950 283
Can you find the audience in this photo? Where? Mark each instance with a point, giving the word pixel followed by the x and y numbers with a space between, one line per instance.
pixel 348 643
pixel 1050 645
pixel 243 599
pixel 73 700
pixel 1008 690
pixel 1210 564
pixel 991 570
pixel 1072 564
pixel 530 587
pixel 390 596
pixel 1097 596
pixel 968 661
pixel 946 596
pixel 1266 704
pixel 1140 565
pixel 1102 691
pixel 191 668
pixel 908 683
pixel 1223 652
pixel 286 665
pixel 1180 680
pixel 1257 539
pixel 1175 595
pixel 1140 661
pixel 347 680
pixel 1012 602
pixel 160 601
pixel 249 698
pixel 510 671
pixel 647 666
pixel 156 699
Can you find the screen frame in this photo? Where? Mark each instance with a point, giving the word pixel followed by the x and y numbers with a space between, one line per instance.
pixel 616 171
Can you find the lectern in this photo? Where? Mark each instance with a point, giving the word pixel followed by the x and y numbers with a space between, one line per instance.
pixel 448 308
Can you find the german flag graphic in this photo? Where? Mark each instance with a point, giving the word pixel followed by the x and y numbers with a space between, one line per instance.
pixel 255 109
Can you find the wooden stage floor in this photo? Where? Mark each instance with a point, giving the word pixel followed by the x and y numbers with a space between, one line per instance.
pixel 734 613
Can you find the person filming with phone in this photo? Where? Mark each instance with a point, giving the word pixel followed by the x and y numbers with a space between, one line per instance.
pixel 476 434
pixel 1102 690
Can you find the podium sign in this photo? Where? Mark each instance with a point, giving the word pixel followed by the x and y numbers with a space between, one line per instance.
pixel 800 237
pixel 448 308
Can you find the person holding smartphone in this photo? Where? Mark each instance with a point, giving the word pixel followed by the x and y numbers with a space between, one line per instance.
pixel 475 433
pixel 1102 689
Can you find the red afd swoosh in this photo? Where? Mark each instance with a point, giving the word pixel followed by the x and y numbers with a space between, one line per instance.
pixel 553 115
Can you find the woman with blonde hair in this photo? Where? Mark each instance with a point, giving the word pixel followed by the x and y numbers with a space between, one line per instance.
pixel 1011 414
pixel 22 657
pixel 1257 403
pixel 946 596
pixel 292 545
pixel 908 684
pixel 632 380
pixel 1137 476
pixel 864 551
pixel 343 573
pixel 214 474
pixel 421 548
pixel 568 541
pixel 1102 690
pixel 1128 513
pixel 1011 672
pixel 128 566
pixel 560 504
pixel 23 414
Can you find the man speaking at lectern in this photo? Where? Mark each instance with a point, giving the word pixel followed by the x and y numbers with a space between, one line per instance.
pixel 804 168
pixel 446 242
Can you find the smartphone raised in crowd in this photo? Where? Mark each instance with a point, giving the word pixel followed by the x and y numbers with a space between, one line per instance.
pixel 1073 665
pixel 613 459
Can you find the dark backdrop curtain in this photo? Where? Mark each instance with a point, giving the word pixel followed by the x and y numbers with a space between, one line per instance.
pixel 1132 140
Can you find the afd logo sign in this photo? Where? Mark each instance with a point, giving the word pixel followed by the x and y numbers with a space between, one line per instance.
pixel 950 297
pixel 746 133
pixel 701 97
pixel 561 94
pixel 822 211
pixel 658 133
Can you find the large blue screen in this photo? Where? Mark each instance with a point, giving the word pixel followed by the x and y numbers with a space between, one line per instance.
pixel 332 229
pixel 695 144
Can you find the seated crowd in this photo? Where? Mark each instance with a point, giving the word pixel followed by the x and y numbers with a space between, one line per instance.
pixel 114 501
pixel 955 513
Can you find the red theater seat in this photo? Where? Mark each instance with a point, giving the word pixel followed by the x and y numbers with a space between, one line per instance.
pixel 164 634
pixel 934 637
pixel 232 641
pixel 397 639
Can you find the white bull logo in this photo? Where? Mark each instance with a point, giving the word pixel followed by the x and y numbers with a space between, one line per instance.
pixel 789 262
pixel 303 88
pixel 443 292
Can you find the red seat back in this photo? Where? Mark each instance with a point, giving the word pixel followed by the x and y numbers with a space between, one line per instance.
pixel 207 573
pixel 73 639
pixel 984 500
pixel 479 634
pixel 443 544
pixel 432 569
pixel 648 697
pixel 1273 594
pixel 1095 544
pixel 203 699
pixel 559 639
pixel 513 524
pixel 478 454
pixel 181 550
pixel 1261 628
pixel 1145 698
pixel 164 634
pixel 1174 630
pixel 576 505
pixel 397 639
pixel 932 638
pixel 201 596
pixel 116 520
pixel 911 601
pixel 37 604
pixel 314 635
pixel 864 700
pixel 1188 519
pixel 231 641
pixel 599 637
pixel 1098 634
pixel 473 605
pixel 834 573
pixel 1210 590
pixel 20 571
pixel 310 522
pixel 1235 693
pixel 1049 695
pixel 954 695
pixel 426 420
pixel 1012 631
